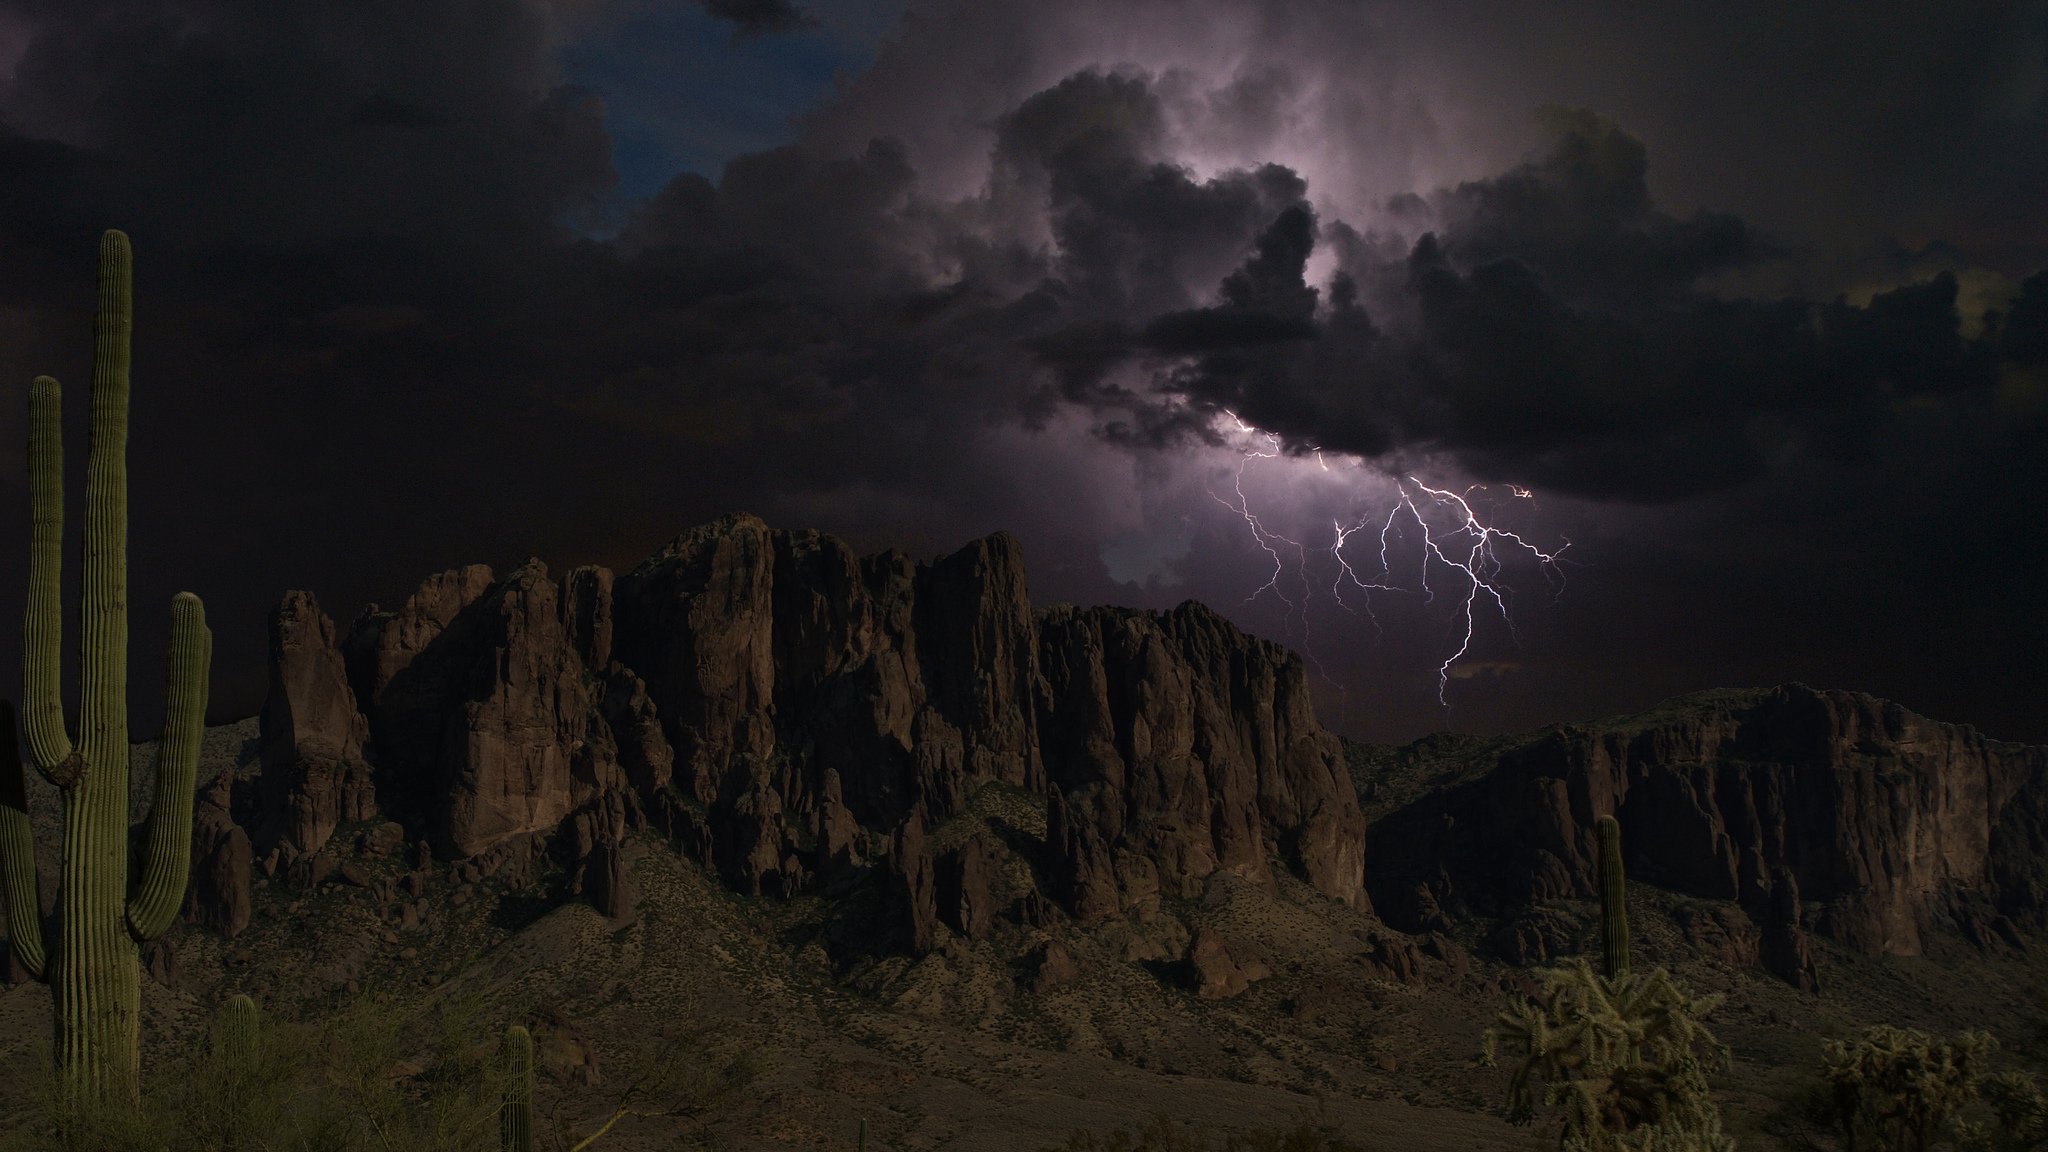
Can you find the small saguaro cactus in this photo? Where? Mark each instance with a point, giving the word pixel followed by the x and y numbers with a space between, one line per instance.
pixel 102 914
pixel 236 1051
pixel 1613 898
pixel 235 1036
pixel 515 1119
pixel 861 1141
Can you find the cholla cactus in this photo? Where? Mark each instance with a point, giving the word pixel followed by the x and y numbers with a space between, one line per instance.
pixel 1624 1059
pixel 2022 1117
pixel 1623 1055
pixel 1897 1089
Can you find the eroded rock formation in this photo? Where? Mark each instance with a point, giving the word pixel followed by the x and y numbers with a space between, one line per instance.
pixel 1791 801
pixel 775 702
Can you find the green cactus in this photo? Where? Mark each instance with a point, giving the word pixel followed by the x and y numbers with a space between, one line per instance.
pixel 236 1051
pixel 1624 1060
pixel 861 1141
pixel 93 968
pixel 1613 898
pixel 1900 1087
pixel 1623 1056
pixel 236 1039
pixel 516 1117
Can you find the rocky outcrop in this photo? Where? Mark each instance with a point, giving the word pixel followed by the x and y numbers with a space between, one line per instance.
pixel 218 895
pixel 913 889
pixel 962 895
pixel 1178 747
pixel 1870 811
pixel 315 770
pixel 483 712
pixel 1217 968
pixel 775 702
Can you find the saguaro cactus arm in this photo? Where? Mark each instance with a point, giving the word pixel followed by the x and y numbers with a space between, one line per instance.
pixel 41 662
pixel 18 853
pixel 167 855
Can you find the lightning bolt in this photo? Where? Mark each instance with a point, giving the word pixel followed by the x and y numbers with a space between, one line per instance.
pixel 1266 539
pixel 1469 549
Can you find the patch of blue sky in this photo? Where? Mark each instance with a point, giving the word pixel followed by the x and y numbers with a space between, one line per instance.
pixel 684 93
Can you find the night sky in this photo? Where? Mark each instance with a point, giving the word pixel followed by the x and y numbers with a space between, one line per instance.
pixel 1749 299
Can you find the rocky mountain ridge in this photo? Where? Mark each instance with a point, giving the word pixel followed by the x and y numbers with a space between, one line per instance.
pixel 1804 809
pixel 785 710
pixel 797 716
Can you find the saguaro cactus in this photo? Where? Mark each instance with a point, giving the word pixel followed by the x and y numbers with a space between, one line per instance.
pixel 516 1119
pixel 1613 899
pixel 236 1038
pixel 236 1050
pixel 93 969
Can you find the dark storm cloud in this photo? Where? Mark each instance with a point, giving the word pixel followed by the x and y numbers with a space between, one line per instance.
pixel 1550 330
pixel 370 343
pixel 758 17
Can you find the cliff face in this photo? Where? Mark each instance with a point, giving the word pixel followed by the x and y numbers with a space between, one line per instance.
pixel 783 707
pixel 1876 822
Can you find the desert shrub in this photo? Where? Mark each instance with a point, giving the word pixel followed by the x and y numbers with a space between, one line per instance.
pixel 1899 1089
pixel 368 1078
pixel 1624 1060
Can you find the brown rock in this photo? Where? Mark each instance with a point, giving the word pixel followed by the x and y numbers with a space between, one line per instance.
pixel 775 679
pixel 1721 931
pixel 912 887
pixel 1184 747
pixel 610 885
pixel 315 769
pixel 511 761
pixel 1448 951
pixel 1784 948
pixel 353 872
pixel 838 834
pixel 1317 1001
pixel 1051 965
pixel 643 751
pixel 696 622
pixel 963 897
pixel 747 832
pixel 1031 908
pixel 563 1047
pixel 160 960
pixel 1398 959
pixel 218 896
pixel 587 614
pixel 1218 970
pixel 1874 810
pixel 383 839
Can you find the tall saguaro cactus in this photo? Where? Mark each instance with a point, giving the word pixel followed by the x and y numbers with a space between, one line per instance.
pixel 102 915
pixel 1613 899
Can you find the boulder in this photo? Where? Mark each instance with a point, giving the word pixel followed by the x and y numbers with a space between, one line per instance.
pixel 1218 969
